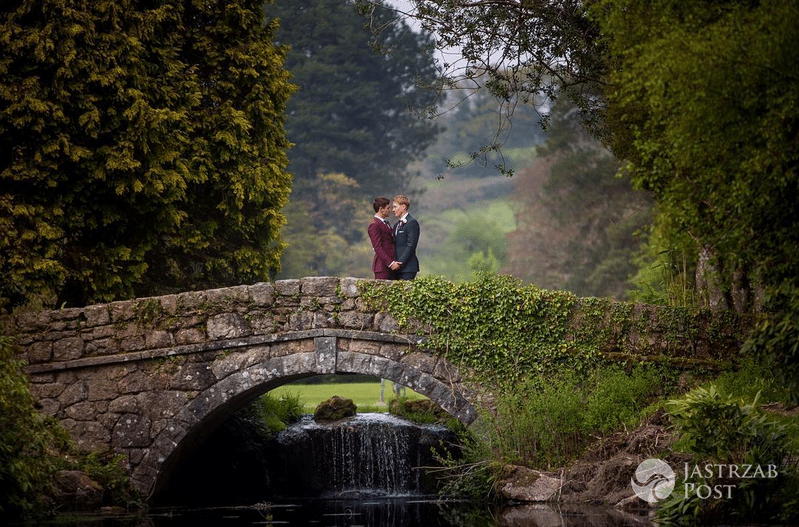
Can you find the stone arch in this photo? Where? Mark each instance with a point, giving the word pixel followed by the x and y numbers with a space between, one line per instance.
pixel 428 375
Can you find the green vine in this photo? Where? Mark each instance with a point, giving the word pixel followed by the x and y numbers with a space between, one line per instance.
pixel 506 332
pixel 494 326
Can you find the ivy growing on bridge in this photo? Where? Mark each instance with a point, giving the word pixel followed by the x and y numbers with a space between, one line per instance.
pixel 506 332
pixel 494 325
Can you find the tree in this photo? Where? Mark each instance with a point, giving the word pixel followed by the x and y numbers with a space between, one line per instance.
pixel 577 222
pixel 474 121
pixel 704 103
pixel 142 148
pixel 520 50
pixel 27 441
pixel 354 113
pixel 703 100
pixel 328 240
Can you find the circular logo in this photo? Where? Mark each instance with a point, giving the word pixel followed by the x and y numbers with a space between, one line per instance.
pixel 653 480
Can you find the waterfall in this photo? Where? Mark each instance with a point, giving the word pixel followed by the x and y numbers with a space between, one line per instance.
pixel 364 455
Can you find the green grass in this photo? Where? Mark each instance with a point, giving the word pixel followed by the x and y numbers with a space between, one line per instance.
pixel 365 395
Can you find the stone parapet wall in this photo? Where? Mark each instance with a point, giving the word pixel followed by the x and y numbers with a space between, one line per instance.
pixel 190 319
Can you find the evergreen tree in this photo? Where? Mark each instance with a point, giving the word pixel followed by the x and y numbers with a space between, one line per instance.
pixel 354 111
pixel 141 148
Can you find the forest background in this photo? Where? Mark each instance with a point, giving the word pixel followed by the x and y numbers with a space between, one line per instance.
pixel 564 220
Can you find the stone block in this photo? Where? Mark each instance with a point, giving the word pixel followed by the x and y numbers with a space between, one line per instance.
pixel 158 339
pixel 66 314
pixel 193 376
pixel 49 406
pixel 354 320
pixel 40 352
pixel 67 348
pixel 170 305
pixel 262 324
pixel 227 326
pixel 227 296
pixel 131 430
pixel 162 404
pixel 226 363
pixel 325 354
pixel 88 435
pixel 83 411
pixel 189 336
pixel 102 389
pixel 127 404
pixel 97 316
pixel 190 302
pixel 287 287
pixel 349 287
pixel 262 294
pixel 122 312
pixel 319 286
pixel 385 323
pixel 74 393
pixel 134 343
pixel 48 390
pixel 367 347
pixel 135 382
pixel 300 321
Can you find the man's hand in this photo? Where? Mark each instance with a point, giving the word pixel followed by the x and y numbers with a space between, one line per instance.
pixel 395 265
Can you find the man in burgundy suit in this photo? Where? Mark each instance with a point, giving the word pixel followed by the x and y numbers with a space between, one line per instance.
pixel 380 233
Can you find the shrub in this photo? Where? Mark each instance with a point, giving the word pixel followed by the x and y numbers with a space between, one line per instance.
pixel 271 414
pixel 616 398
pixel 723 429
pixel 26 438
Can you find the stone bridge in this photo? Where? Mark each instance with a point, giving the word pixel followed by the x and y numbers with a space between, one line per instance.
pixel 150 378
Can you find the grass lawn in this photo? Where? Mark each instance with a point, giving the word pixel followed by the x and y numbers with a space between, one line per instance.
pixel 366 395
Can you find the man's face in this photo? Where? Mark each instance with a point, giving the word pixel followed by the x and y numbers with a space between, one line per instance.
pixel 384 212
pixel 399 210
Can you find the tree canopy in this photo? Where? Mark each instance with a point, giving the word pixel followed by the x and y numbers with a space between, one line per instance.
pixel 356 110
pixel 142 148
pixel 703 101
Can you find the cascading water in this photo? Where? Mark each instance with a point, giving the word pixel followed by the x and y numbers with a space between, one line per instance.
pixel 364 455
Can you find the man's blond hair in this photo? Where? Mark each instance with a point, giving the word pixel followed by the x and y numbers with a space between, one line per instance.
pixel 403 200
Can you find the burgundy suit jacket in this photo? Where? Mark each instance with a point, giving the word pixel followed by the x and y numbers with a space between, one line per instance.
pixel 383 243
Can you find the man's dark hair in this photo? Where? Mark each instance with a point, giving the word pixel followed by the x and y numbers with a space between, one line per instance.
pixel 380 203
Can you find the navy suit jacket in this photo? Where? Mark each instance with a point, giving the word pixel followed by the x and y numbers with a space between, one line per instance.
pixel 406 238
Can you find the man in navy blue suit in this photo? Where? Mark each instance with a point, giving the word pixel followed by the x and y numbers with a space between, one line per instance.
pixel 406 238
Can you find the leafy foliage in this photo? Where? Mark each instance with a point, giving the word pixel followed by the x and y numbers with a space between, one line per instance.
pixel 493 325
pixel 524 48
pixel 720 428
pixel 270 414
pixel 143 148
pixel 703 102
pixel 26 440
pixel 547 421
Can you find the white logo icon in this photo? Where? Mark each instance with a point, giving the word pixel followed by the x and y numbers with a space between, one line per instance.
pixel 653 480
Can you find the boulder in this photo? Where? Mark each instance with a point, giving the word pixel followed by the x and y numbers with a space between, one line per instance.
pixel 334 408
pixel 527 485
pixel 76 491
